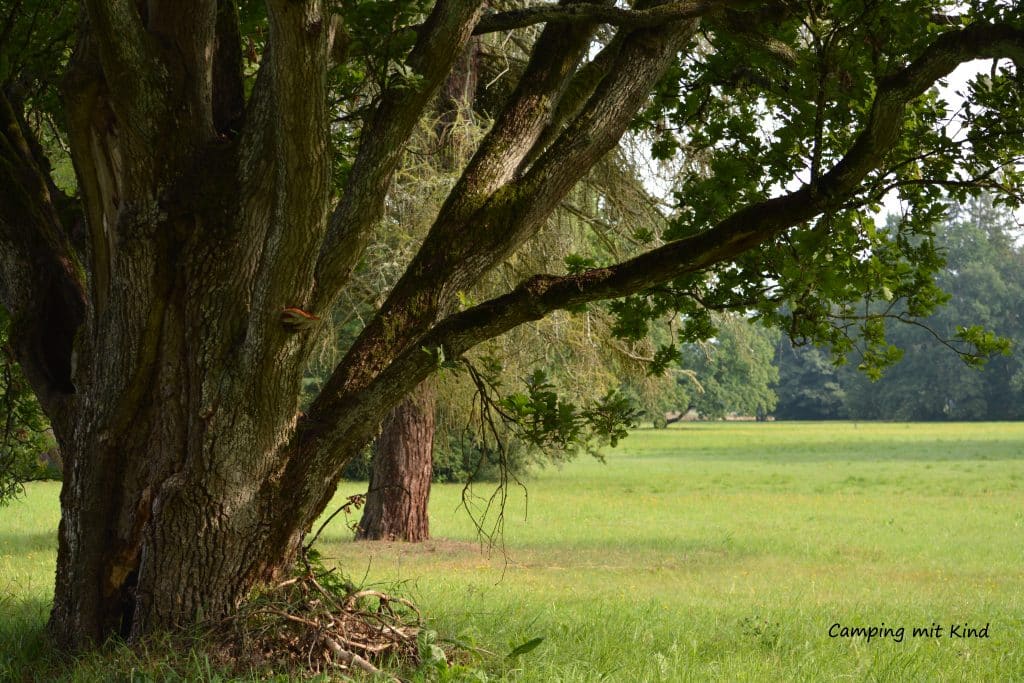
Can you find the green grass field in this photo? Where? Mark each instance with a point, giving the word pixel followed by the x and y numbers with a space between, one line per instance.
pixel 720 551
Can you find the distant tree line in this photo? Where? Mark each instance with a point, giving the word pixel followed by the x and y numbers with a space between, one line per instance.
pixel 984 277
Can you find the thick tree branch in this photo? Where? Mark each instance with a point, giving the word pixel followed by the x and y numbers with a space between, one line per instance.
pixel 40 278
pixel 577 94
pixel 554 59
pixel 441 40
pixel 292 117
pixel 602 14
pixel 81 88
pixel 514 213
pixel 528 111
pixel 228 86
pixel 128 59
pixel 186 38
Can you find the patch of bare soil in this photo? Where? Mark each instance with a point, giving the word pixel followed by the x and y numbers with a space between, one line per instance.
pixel 442 547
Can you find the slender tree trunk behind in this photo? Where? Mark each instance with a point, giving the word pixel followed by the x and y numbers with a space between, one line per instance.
pixel 399 493
pixel 403 461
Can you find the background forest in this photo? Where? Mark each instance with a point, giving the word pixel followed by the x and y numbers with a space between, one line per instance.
pixel 984 278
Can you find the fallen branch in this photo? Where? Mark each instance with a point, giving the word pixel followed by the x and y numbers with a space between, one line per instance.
pixel 351 659
pixel 315 621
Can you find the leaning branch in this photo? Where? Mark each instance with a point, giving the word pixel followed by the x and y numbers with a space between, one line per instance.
pixel 550 70
pixel 290 110
pixel 412 305
pixel 601 14
pixel 577 93
pixel 743 230
pixel 127 56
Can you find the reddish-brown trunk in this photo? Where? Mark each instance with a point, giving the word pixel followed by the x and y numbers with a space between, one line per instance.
pixel 397 501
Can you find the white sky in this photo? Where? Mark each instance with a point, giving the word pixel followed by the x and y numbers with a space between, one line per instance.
pixel 956 83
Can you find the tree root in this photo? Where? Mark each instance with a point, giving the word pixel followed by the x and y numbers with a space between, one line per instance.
pixel 351 659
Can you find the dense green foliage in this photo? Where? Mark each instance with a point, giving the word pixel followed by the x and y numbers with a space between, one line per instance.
pixel 748 114
pixel 710 552
pixel 735 371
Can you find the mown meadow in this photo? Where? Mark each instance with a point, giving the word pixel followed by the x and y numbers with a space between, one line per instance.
pixel 709 551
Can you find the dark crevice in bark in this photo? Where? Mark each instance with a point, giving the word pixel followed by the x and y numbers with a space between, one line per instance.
pixel 128 604
pixel 44 340
pixel 228 84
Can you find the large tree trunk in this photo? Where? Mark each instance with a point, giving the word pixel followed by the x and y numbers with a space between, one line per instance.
pixel 161 547
pixel 165 333
pixel 184 375
pixel 164 315
pixel 399 492
pixel 189 473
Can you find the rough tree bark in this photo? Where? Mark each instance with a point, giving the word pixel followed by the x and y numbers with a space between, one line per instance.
pixel 399 491
pixel 154 313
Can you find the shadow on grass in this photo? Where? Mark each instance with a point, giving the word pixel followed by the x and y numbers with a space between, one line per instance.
pixel 28 655
pixel 25 650
pixel 12 543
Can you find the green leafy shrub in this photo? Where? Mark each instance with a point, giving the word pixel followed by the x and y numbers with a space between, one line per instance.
pixel 24 430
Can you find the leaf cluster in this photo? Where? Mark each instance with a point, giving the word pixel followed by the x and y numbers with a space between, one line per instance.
pixel 23 427
pixel 543 419
pixel 961 362
pixel 753 113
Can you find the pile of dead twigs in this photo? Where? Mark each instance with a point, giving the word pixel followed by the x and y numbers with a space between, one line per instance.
pixel 319 623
